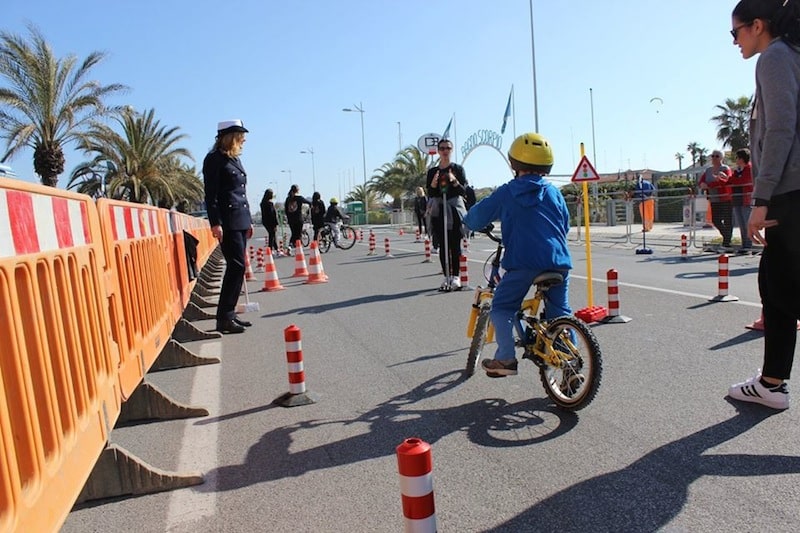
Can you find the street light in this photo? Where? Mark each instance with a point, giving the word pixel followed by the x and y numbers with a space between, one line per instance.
pixel 313 170
pixel 533 64
pixel 360 109
pixel 290 179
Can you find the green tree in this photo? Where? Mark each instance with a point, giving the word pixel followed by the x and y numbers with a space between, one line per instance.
pixel 47 102
pixel 733 122
pixel 679 157
pixel 361 194
pixel 694 150
pixel 143 164
pixel 401 176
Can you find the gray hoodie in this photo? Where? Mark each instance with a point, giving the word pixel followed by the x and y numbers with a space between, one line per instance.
pixel 775 122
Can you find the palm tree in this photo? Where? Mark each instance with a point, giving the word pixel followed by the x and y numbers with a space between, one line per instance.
pixel 679 156
pixel 48 101
pixel 361 194
pixel 694 148
pixel 399 178
pixel 143 164
pixel 733 122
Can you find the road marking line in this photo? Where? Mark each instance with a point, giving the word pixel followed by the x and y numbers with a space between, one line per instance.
pixel 199 447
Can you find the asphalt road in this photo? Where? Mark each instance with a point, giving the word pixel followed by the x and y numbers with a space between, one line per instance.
pixel 660 448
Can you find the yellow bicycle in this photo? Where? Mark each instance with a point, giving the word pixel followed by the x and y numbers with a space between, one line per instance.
pixel 564 349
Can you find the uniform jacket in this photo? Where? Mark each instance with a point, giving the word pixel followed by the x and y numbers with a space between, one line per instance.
pixel 225 181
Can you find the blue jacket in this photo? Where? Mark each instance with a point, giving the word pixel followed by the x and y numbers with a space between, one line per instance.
pixel 534 220
pixel 224 181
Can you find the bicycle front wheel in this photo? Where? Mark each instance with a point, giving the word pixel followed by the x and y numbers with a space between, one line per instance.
pixel 478 338
pixel 574 383
pixel 324 242
pixel 347 238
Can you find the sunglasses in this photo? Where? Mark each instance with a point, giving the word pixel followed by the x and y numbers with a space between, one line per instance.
pixel 735 31
pixel 715 156
pixel 445 148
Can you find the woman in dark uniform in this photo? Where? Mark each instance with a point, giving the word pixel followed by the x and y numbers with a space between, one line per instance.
pixel 225 183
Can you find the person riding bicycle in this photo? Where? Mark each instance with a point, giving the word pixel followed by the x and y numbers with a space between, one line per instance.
pixel 333 216
pixel 534 221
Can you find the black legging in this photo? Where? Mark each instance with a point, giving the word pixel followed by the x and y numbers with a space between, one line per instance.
pixel 722 218
pixel 297 229
pixel 453 241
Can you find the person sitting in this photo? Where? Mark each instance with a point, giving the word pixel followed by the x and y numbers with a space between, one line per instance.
pixel 333 217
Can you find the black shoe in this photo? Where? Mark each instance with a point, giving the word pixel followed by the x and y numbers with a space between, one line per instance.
pixel 243 323
pixel 229 326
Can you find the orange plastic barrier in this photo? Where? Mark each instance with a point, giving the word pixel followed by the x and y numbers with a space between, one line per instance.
pixel 138 247
pixel 59 393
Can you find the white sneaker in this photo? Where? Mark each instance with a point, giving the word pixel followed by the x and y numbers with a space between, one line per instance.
pixel 753 391
pixel 455 283
pixel 445 286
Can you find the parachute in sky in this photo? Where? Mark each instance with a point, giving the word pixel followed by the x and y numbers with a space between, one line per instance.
pixel 657 102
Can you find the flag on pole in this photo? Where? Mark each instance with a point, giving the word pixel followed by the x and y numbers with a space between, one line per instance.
pixel 507 114
pixel 446 133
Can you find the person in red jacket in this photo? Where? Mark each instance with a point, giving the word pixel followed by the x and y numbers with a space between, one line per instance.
pixel 715 182
pixel 741 184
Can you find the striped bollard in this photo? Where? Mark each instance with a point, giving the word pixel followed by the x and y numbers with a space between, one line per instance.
pixel 360 235
pixel 415 466
pixel 613 316
pixel 371 243
pixel 427 251
pixel 465 245
pixel 684 247
pixel 388 252
pixel 417 236
pixel 722 292
pixel 463 271
pixel 297 395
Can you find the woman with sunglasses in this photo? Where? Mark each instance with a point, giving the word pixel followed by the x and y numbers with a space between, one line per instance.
pixel 771 29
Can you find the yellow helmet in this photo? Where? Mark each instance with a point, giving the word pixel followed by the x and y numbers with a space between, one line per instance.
pixel 334 200
pixel 531 149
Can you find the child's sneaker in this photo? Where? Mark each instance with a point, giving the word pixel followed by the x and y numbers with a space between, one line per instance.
pixel 752 390
pixel 497 369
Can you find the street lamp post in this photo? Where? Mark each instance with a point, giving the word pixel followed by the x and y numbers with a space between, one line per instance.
pixel 533 64
pixel 360 109
pixel 290 179
pixel 313 169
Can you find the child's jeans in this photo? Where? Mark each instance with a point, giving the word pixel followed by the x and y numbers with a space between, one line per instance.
pixel 508 296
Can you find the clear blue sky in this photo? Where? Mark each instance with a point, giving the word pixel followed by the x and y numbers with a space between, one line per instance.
pixel 288 68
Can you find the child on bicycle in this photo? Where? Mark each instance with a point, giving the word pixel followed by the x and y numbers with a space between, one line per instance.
pixel 333 216
pixel 534 222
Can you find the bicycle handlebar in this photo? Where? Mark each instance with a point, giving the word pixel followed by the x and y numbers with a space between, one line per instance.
pixel 488 232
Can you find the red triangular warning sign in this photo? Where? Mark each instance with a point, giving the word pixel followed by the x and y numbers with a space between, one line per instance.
pixel 585 171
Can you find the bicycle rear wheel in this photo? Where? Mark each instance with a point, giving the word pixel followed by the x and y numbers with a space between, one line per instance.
pixel 305 239
pixel 478 339
pixel 574 384
pixel 347 239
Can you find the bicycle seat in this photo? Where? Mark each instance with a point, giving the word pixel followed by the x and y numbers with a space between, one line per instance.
pixel 546 280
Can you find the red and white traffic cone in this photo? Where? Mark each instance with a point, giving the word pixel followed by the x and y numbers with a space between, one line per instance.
pixel 297 395
pixel 415 466
pixel 427 251
pixel 386 248
pixel 722 292
pixel 271 281
pixel 613 316
pixel 300 268
pixel 684 247
pixel 401 232
pixel 316 274
pixel 248 269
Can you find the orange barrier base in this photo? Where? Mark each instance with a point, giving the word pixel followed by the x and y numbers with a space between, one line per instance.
pixel 592 314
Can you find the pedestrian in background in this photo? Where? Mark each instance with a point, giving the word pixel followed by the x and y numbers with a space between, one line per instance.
pixel 224 182
pixel 446 182
pixel 714 181
pixel 420 206
pixel 741 183
pixel 317 214
pixel 269 218
pixel 770 28
pixel 293 206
